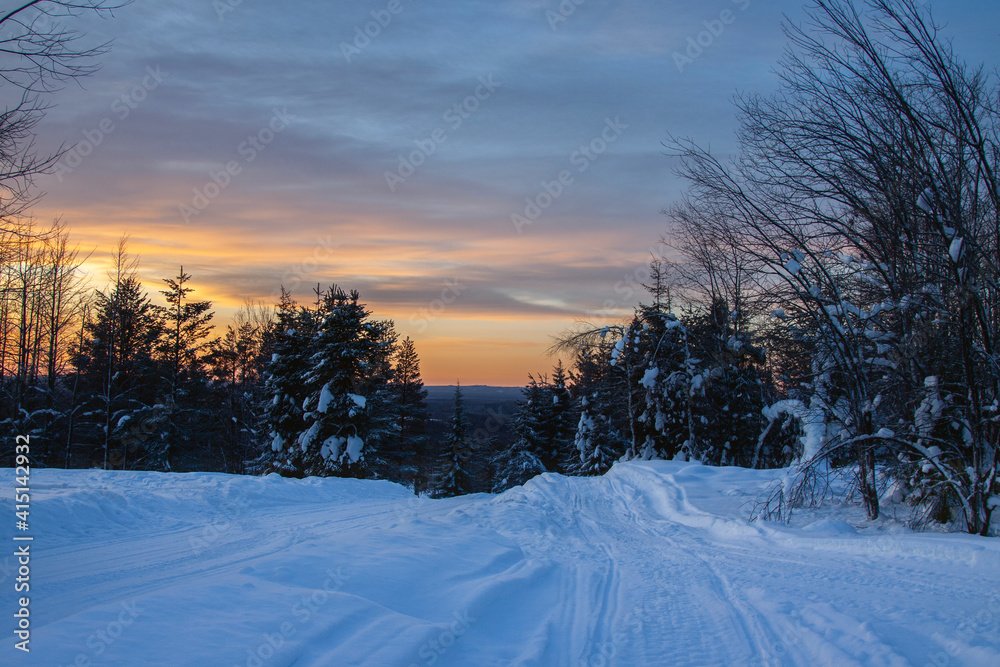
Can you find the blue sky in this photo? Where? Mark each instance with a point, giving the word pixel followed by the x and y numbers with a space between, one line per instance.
pixel 208 84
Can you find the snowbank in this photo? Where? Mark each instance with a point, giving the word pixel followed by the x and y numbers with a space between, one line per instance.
pixel 654 563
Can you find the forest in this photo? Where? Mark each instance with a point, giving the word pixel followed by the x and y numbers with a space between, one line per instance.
pixel 831 300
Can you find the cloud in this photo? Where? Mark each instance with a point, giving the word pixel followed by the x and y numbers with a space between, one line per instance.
pixel 314 205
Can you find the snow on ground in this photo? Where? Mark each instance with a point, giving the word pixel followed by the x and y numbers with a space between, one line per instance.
pixel 652 564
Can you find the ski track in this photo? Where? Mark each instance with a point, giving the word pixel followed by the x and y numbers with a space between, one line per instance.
pixel 625 569
pixel 125 567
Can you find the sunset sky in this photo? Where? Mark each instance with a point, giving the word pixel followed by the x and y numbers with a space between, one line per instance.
pixel 494 101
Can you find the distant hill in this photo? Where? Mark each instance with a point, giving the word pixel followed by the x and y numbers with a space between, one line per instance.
pixel 488 409
pixel 475 392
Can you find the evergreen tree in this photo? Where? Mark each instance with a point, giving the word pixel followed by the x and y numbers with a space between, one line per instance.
pixel 544 430
pixel 453 477
pixel 728 411
pixel 558 454
pixel 346 410
pixel 118 373
pixel 409 403
pixel 284 385
pixel 664 425
pixel 600 438
pixel 523 459
pixel 185 326
pixel 237 360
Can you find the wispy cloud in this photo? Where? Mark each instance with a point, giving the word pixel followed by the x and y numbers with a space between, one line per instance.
pixel 314 206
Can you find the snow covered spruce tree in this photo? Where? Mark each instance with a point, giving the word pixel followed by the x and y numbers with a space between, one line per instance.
pixel 728 407
pixel 345 410
pixel 620 348
pixel 453 478
pixel 667 387
pixel 700 388
pixel 690 387
pixel 522 460
pixel 560 454
pixel 329 412
pixel 638 382
pixel 544 429
pixel 866 191
pixel 599 439
pixel 119 377
pixel 284 384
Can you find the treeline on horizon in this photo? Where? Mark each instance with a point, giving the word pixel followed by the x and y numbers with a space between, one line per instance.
pixel 833 299
pixel 106 378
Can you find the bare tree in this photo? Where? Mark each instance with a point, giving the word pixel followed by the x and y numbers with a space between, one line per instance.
pixel 866 195
pixel 38 54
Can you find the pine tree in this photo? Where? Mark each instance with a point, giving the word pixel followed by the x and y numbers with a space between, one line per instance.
pixel 523 459
pixel 346 410
pixel 409 404
pixel 186 325
pixel 729 410
pixel 669 382
pixel 544 433
pixel 119 377
pixel 558 454
pixel 453 477
pixel 600 438
pixel 285 386
pixel 237 361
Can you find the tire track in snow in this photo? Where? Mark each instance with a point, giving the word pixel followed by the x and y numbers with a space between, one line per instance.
pixel 796 637
pixel 645 582
pixel 168 556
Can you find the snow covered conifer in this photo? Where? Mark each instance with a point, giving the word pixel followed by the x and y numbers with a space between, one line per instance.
pixel 600 435
pixel 345 409
pixel 284 383
pixel 558 455
pixel 118 371
pixel 454 478
pixel 523 459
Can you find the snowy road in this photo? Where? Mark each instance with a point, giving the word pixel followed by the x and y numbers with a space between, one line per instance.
pixel 653 564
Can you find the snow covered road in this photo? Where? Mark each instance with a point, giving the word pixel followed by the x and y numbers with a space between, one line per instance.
pixel 652 564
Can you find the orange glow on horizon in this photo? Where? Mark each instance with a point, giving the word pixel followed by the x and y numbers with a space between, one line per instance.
pixel 496 341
